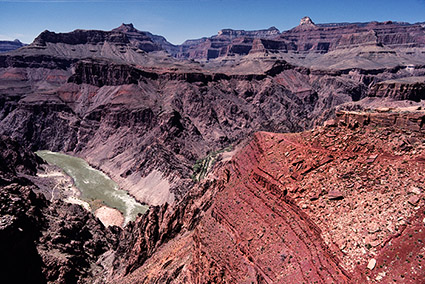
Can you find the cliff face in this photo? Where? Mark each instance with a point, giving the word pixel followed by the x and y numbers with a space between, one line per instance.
pixel 126 34
pixel 79 37
pixel 227 42
pixel 306 38
pixel 43 242
pixel 279 211
pixel 15 160
pixel 325 38
pixel 119 116
pixel 412 88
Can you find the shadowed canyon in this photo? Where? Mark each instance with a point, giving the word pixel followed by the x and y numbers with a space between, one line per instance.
pixel 264 156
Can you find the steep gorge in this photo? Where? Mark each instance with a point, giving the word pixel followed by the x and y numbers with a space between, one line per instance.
pixel 119 117
pixel 276 208
pixel 278 212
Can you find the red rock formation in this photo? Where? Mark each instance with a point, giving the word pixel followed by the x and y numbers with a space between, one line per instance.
pixel 318 206
pixel 410 121
pixel 315 206
pixel 401 257
pixel 411 88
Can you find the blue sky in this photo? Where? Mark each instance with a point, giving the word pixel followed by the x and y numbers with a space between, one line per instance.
pixel 178 20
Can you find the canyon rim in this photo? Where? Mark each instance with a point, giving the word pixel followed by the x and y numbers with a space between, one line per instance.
pixel 265 156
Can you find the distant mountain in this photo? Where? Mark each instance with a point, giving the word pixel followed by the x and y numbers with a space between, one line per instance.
pixel 145 40
pixel 125 34
pixel 6 45
pixel 124 44
pixel 308 37
pixel 226 42
pixel 329 37
pixel 175 127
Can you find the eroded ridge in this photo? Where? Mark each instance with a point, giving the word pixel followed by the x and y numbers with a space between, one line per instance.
pixel 337 204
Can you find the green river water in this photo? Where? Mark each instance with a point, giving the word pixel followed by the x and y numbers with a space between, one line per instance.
pixel 95 185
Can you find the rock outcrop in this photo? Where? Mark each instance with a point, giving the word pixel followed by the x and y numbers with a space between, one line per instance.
pixel 145 40
pixel 165 129
pixel 410 88
pixel 306 21
pixel 14 159
pixel 43 242
pixel 279 212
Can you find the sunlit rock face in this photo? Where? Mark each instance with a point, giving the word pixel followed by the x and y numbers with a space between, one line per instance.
pixel 306 21
pixel 196 131
pixel 266 214
pixel 380 39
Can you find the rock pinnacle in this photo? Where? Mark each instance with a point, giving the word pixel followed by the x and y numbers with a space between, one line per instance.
pixel 306 21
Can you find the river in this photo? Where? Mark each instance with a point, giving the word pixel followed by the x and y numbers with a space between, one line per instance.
pixel 94 185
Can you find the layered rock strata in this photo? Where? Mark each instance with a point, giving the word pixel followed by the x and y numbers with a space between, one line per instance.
pixel 279 212
pixel 119 117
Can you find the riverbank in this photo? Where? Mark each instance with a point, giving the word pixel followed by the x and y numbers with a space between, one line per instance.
pixel 73 180
pixel 109 216
pixel 61 186
pixel 55 184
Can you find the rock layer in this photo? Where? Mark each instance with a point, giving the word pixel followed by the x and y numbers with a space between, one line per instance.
pixel 121 110
pixel 306 38
pixel 269 216
pixel 278 211
pixel 411 88
pixel 119 117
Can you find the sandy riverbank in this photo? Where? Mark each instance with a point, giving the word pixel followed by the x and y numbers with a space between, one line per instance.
pixel 109 216
pixel 56 184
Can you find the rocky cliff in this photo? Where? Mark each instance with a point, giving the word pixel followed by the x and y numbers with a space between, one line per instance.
pixel 411 88
pixel 306 38
pixel 227 42
pixel 165 129
pixel 123 35
pixel 118 116
pixel 43 242
pixel 279 211
pixel 324 38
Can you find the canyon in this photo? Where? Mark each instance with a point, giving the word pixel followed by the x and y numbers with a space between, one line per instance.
pixel 265 156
